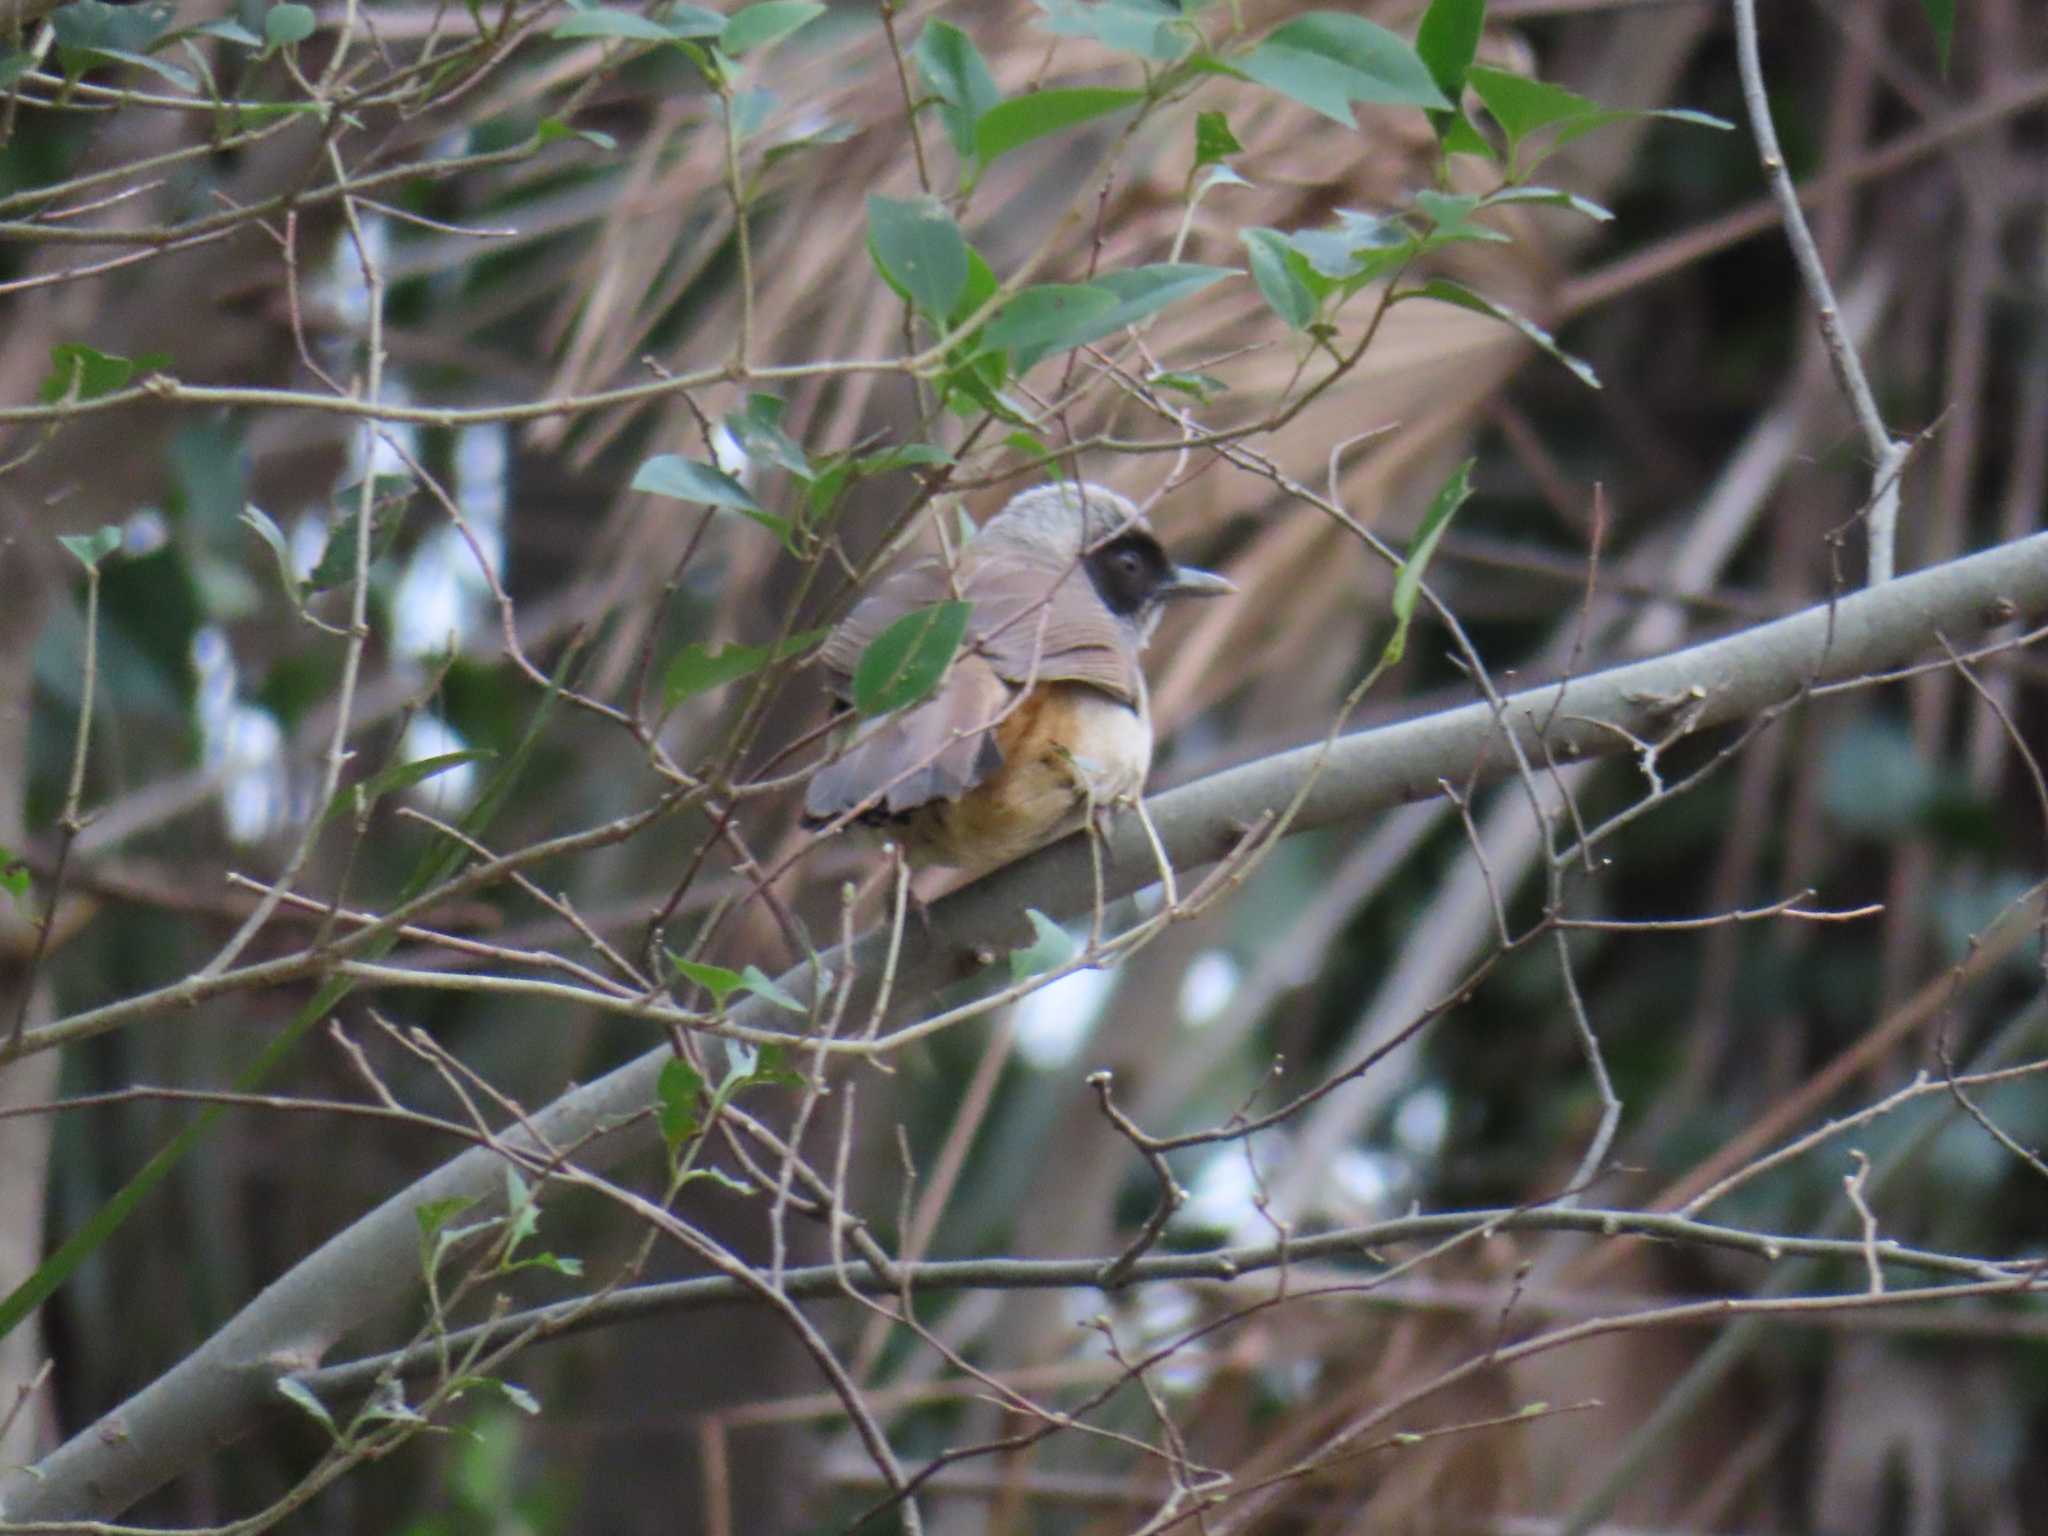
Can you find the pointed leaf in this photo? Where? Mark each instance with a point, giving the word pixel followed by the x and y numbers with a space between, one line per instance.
pixel 676 1092
pixel 1445 291
pixel 753 979
pixel 256 518
pixel 1550 196
pixel 682 479
pixel 1522 106
pixel 336 567
pixel 1447 40
pixel 1289 297
pixel 1051 948
pixel 301 1396
pixel 720 982
pixel 1038 321
pixel 766 23
pixel 905 661
pixel 89 549
pixel 1142 292
pixel 758 430
pixel 698 669
pixel 918 247
pixel 1214 141
pixel 1328 60
pixel 1038 113
pixel 953 70
pixel 433 1215
pixel 83 373
pixel 1453 494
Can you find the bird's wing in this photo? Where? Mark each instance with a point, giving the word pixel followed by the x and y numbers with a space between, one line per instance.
pixel 1042 623
pixel 936 750
pixel 1033 622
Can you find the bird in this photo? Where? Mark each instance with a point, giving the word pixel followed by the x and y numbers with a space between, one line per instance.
pixel 1041 720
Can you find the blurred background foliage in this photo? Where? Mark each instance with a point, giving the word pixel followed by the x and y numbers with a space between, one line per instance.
pixel 1714 480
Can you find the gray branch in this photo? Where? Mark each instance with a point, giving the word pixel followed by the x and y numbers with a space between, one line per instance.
pixel 227 1386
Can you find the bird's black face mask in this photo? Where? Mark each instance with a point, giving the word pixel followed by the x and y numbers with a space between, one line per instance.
pixel 1130 573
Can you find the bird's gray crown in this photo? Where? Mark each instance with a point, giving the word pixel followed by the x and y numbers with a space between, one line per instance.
pixel 1064 520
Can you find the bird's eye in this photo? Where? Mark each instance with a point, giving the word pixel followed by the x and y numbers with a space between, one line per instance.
pixel 1128 560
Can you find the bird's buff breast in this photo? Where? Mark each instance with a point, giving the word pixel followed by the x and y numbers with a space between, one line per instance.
pixel 1065 746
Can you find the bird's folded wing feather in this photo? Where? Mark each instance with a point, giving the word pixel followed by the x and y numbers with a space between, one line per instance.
pixel 936 750
pixel 1033 622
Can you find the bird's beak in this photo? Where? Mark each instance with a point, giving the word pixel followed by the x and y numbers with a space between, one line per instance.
pixel 1190 582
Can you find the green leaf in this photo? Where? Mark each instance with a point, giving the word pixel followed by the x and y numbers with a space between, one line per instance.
pixel 753 979
pixel 1213 139
pixel 394 777
pixel 301 1396
pixel 553 128
pixel 1450 216
pixel 802 138
pixel 1151 29
pixel 698 669
pixel 1022 119
pixel 1361 246
pixel 1459 137
pixel 1056 316
pixel 765 23
pixel 681 479
pixel 12 67
pixel 288 23
pixel 183 79
pixel 918 247
pixel 1445 291
pixel 1141 292
pixel 418 770
pixel 229 31
pixel 905 661
pixel 1523 106
pixel 256 518
pixel 1327 60
pixel 1551 196
pixel 433 1215
pixel 83 373
pixel 89 549
pixel 676 1092
pixel 719 981
pixel 14 880
pixel 953 70
pixel 1201 387
pixel 1941 15
pixel 389 497
pixel 1038 320
pixel 1277 278
pixel 1447 40
pixel 679 21
pixel 516 1395
pixel 1050 948
pixel 758 430
pixel 1454 493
